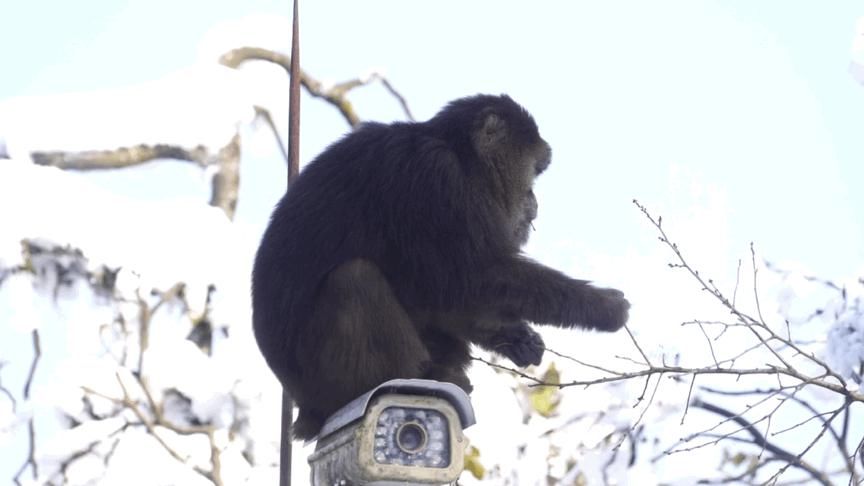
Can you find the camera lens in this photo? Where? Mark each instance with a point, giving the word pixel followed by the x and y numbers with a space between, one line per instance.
pixel 411 437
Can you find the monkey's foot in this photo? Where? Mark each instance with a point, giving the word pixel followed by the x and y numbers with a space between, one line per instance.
pixel 456 376
pixel 521 345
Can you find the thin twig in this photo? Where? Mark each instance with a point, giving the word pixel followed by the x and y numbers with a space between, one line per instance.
pixel 689 397
pixel 31 427
pixel 636 343
pixel 759 439
pixel 10 396
pixel 264 114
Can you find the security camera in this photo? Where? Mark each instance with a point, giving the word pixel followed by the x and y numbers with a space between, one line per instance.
pixel 401 432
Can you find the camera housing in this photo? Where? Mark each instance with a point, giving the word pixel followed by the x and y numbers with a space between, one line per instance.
pixel 401 432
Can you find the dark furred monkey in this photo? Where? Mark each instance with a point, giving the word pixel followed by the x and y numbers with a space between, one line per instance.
pixel 399 245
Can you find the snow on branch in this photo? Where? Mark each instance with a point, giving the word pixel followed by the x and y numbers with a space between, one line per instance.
pixel 167 412
pixel 120 158
pixel 204 104
pixel 225 181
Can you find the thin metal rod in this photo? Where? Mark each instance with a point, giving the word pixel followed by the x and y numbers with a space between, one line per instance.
pixel 286 439
pixel 293 170
pixel 294 101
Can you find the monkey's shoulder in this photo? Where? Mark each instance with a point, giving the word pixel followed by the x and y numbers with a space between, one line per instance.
pixel 382 160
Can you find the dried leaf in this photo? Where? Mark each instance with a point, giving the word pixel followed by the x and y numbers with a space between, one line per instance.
pixel 545 399
pixel 472 462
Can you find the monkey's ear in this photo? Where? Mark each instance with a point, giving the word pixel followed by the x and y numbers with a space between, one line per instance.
pixel 492 132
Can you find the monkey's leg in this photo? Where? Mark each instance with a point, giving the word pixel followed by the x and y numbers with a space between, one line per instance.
pixel 358 337
pixel 450 356
pixel 518 288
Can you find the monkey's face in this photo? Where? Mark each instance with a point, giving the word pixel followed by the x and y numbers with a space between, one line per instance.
pixel 524 219
pixel 536 160
pixel 509 154
pixel 533 160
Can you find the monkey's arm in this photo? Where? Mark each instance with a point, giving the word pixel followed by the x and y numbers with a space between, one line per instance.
pixel 518 288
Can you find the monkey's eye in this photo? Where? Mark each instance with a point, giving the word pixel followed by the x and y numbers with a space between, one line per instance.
pixel 412 437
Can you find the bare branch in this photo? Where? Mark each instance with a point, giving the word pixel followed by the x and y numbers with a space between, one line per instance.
pixel 5 391
pixel 636 343
pixel 120 157
pixel 586 364
pixel 792 367
pixel 537 381
pixel 31 433
pixel 226 181
pixel 91 448
pixel 398 96
pixel 756 282
pixel 756 326
pixel 689 398
pixel 335 95
pixel 761 440
pixel 710 344
pixel 158 421
pixel 37 355
pixel 264 114
pixel 798 459
pixel 31 455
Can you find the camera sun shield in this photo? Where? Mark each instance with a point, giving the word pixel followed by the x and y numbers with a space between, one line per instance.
pixel 396 435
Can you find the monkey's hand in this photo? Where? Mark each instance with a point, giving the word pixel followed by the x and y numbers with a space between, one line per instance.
pixel 607 310
pixel 520 344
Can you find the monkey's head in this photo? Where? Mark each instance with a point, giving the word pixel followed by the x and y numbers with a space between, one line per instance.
pixel 500 149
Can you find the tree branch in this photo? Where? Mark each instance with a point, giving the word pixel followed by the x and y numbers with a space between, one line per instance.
pixel 783 359
pixel 226 181
pixel 31 429
pixel 761 440
pixel 120 157
pixel 5 391
pixel 335 95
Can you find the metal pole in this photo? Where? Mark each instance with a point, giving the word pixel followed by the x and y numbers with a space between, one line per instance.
pixel 286 438
pixel 293 170
pixel 294 101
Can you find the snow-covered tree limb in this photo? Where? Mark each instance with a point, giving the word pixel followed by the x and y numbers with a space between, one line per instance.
pixel 122 157
pixel 226 181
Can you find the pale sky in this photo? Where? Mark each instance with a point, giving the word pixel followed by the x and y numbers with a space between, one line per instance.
pixel 745 108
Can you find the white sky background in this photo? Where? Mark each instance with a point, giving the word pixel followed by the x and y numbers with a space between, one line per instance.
pixel 737 122
pixel 748 109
